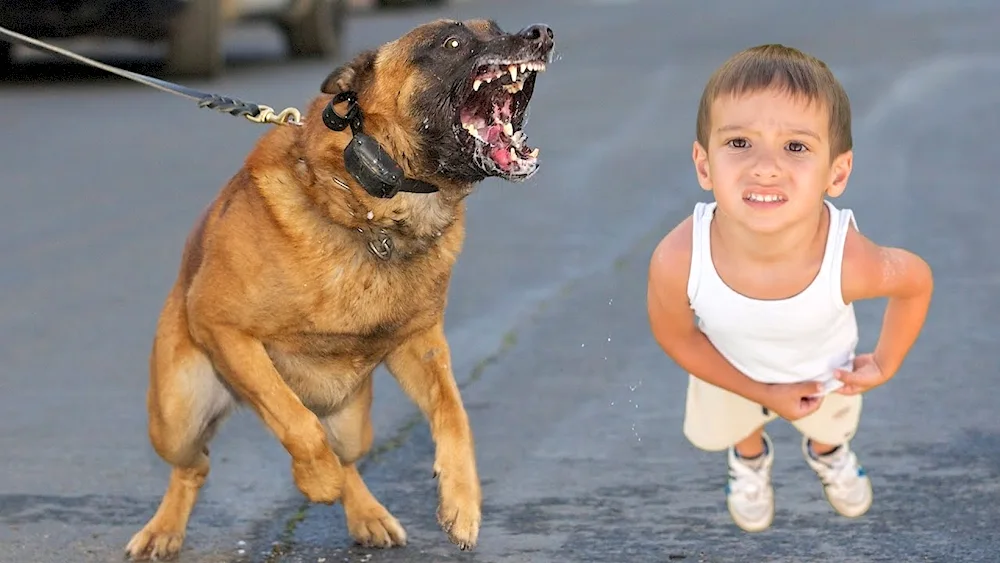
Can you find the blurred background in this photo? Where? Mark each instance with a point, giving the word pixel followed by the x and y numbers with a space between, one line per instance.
pixel 192 34
pixel 576 412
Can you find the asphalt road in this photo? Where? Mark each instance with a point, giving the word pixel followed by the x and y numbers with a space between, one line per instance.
pixel 577 414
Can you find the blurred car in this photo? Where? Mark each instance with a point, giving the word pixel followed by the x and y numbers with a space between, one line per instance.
pixel 408 3
pixel 193 29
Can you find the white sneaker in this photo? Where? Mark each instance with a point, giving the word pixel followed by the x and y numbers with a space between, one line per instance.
pixel 749 494
pixel 845 484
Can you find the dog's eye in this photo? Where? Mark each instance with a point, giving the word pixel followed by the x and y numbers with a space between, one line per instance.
pixel 452 43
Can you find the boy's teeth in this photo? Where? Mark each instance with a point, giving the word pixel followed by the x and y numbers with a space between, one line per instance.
pixel 764 198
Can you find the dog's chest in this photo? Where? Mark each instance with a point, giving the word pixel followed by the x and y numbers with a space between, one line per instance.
pixel 359 309
pixel 346 329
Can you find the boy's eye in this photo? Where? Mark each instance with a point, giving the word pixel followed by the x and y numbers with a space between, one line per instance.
pixel 795 146
pixel 738 143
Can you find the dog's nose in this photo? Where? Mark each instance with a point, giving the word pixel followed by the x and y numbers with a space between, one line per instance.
pixel 539 33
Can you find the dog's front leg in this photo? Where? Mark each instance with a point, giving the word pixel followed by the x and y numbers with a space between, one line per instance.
pixel 422 366
pixel 246 366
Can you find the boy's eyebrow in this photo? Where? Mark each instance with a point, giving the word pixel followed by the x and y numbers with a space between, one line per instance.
pixel 795 131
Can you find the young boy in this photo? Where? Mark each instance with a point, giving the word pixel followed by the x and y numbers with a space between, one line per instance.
pixel 771 270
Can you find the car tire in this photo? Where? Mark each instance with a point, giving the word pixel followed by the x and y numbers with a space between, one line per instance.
pixel 408 3
pixel 195 40
pixel 317 32
pixel 6 56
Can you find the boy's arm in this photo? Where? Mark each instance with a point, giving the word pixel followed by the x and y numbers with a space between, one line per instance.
pixel 871 271
pixel 673 323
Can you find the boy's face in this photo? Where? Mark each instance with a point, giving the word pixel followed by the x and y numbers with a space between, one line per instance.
pixel 768 159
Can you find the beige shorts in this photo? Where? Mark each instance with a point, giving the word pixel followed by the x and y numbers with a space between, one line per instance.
pixel 716 419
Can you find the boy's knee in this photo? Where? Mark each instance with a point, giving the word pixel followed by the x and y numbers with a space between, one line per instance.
pixel 713 438
pixel 836 422
pixel 706 443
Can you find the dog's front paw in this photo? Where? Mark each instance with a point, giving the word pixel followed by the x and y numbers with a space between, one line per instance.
pixel 154 543
pixel 321 479
pixel 374 526
pixel 460 506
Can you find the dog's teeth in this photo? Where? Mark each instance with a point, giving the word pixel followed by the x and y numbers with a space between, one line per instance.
pixel 513 88
pixel 524 67
pixel 513 154
pixel 508 129
pixel 534 153
pixel 476 85
pixel 513 73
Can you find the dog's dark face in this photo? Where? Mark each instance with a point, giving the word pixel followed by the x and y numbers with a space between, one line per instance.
pixel 480 81
pixel 465 87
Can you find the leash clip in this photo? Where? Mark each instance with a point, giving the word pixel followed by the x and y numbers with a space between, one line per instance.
pixel 287 116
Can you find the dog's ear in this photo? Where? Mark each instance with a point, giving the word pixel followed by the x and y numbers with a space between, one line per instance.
pixel 352 75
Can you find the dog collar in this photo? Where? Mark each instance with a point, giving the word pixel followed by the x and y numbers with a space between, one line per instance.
pixel 365 159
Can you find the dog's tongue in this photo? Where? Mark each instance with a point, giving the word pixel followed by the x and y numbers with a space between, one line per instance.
pixel 501 155
pixel 499 150
pixel 493 134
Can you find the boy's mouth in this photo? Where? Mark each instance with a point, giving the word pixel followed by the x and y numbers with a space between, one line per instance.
pixel 764 198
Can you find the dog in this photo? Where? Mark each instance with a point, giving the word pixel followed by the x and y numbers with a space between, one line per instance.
pixel 306 272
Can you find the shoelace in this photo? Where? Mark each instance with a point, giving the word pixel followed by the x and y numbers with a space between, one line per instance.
pixel 840 472
pixel 747 481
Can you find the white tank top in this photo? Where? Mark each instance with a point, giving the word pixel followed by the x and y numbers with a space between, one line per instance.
pixel 804 337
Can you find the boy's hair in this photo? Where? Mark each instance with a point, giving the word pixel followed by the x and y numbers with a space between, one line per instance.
pixel 786 69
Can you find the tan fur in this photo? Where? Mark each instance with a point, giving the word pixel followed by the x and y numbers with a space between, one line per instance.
pixel 279 306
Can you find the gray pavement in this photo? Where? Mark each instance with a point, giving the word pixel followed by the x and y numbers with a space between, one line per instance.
pixel 575 410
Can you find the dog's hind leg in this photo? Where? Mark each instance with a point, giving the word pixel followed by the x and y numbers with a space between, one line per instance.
pixel 350 434
pixel 186 403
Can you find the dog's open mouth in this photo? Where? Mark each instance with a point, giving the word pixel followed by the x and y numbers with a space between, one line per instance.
pixel 493 112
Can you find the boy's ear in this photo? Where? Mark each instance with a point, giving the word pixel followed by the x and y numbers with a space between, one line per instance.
pixel 700 157
pixel 840 172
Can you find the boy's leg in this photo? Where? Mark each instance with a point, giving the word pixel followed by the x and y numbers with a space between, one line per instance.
pixel 749 493
pixel 753 446
pixel 715 420
pixel 826 448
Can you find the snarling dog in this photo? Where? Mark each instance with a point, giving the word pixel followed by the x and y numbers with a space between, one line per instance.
pixel 305 274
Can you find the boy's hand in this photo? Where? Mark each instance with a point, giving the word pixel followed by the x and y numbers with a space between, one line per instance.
pixel 793 401
pixel 866 375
